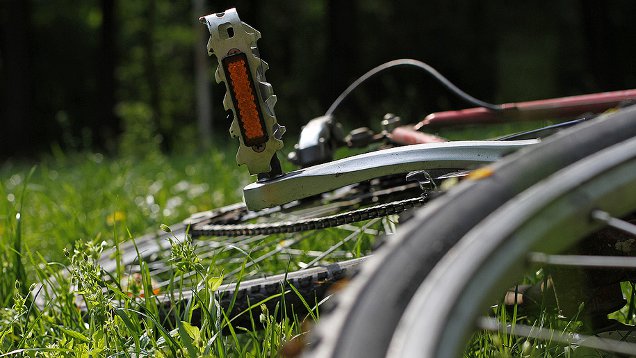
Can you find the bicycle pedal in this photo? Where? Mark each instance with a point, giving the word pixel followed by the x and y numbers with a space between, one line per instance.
pixel 249 97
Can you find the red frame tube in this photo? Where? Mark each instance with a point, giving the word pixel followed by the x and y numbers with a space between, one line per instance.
pixel 554 108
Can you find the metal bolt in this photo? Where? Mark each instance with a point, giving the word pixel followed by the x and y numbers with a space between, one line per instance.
pixel 390 122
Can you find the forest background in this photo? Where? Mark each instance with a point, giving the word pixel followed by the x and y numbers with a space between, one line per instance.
pixel 113 75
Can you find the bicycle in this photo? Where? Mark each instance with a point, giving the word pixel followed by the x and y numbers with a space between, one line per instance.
pixel 446 248
pixel 373 195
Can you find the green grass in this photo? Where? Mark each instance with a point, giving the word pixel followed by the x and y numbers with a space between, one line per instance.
pixel 83 196
pixel 64 211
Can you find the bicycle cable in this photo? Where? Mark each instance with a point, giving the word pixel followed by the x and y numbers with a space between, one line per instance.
pixel 422 66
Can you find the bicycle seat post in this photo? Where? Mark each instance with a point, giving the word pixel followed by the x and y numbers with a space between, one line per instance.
pixel 249 97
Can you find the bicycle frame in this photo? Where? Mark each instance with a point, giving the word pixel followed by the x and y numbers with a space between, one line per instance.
pixel 251 101
pixel 554 108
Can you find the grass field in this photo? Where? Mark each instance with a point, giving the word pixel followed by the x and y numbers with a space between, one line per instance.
pixel 65 210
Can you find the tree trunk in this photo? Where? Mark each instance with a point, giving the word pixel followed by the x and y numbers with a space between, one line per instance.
pixel 108 125
pixel 201 78
pixel 151 73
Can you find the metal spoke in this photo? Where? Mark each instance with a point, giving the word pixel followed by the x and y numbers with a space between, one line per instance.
pixel 310 213
pixel 583 260
pixel 389 225
pixel 314 253
pixel 340 243
pixel 616 223
pixel 549 335
pixel 344 213
pixel 286 244
pixel 353 228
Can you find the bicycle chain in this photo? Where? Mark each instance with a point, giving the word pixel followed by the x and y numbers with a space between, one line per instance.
pixel 202 229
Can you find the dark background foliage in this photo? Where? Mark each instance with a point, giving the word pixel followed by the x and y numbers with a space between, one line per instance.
pixel 83 75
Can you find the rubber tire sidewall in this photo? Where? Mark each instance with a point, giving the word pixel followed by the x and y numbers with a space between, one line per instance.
pixel 365 315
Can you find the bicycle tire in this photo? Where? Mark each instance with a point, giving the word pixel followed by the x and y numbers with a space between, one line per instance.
pixel 361 320
pixel 311 284
pixel 551 215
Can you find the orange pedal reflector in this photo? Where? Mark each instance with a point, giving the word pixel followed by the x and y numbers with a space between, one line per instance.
pixel 245 99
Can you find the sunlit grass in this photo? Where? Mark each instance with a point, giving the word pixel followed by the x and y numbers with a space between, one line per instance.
pixel 63 213
pixel 87 196
pixel 79 205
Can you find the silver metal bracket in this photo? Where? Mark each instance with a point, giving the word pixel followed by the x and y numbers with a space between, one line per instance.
pixel 248 94
pixel 322 178
pixel 318 141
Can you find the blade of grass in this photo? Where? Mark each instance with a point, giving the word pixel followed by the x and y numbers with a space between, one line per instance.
pixel 304 302
pixel 185 329
pixel 133 328
pixel 165 334
pixel 17 243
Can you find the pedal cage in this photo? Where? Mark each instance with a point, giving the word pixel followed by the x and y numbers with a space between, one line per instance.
pixel 248 95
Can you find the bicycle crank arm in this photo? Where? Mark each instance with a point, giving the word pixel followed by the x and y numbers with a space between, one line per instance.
pixel 322 178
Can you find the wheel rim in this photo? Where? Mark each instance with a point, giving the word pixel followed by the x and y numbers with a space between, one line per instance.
pixel 240 260
pixel 473 280
pixel 244 255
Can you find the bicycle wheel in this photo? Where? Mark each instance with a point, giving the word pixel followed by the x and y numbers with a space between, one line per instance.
pixel 307 244
pixel 322 229
pixel 362 319
pixel 524 234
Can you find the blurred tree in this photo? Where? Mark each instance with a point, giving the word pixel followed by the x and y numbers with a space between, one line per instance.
pixel 151 75
pixel 16 76
pixel 202 78
pixel 108 125
pixel 80 73
pixel 56 81
pixel 610 38
pixel 342 53
pixel 157 66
